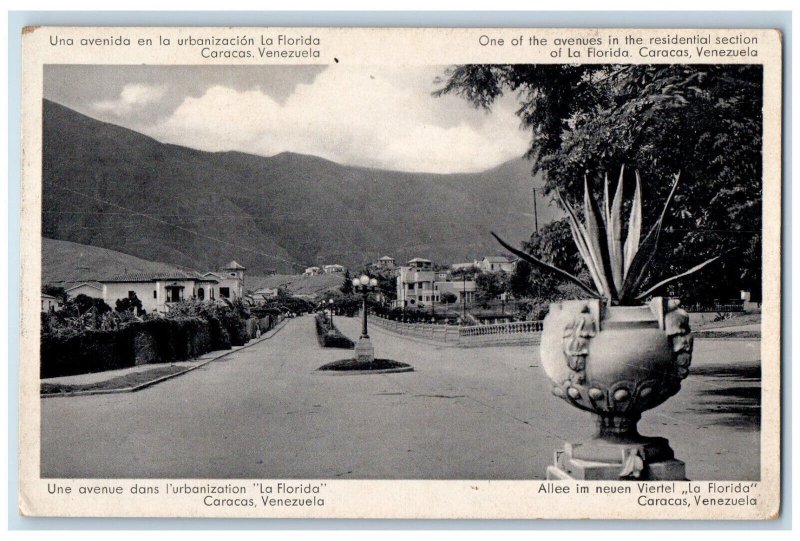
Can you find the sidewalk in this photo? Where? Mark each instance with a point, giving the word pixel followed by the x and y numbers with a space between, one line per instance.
pixel 138 377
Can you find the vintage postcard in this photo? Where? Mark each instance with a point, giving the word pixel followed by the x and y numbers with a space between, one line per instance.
pixel 401 273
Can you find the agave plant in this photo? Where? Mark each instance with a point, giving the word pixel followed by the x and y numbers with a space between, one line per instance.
pixel 617 267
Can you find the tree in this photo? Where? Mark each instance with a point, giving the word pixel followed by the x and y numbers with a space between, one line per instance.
pixel 81 304
pixel 387 281
pixel 490 285
pixel 704 121
pixel 448 298
pixel 129 304
pixel 347 286
pixel 520 283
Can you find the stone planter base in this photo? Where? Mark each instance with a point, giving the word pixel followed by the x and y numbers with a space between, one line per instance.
pixel 598 460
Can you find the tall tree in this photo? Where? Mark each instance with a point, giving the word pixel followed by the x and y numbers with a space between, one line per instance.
pixel 704 121
pixel 347 286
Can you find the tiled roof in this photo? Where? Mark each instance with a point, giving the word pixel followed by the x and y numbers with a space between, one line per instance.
pixel 95 285
pixel 497 259
pixel 153 276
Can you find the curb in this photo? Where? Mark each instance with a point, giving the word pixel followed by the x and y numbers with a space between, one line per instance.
pixel 168 376
pixel 363 372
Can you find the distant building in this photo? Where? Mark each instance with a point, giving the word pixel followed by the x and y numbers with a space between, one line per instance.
pixel 49 303
pixel 464 266
pixel 459 288
pixel 419 285
pixel 230 281
pixel 333 269
pixel 312 271
pixel 265 294
pixel 386 262
pixel 90 289
pixel 497 263
pixel 420 263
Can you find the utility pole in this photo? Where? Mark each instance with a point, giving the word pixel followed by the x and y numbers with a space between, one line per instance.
pixel 535 214
pixel 464 297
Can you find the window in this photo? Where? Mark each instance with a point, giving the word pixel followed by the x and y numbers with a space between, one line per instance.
pixel 225 292
pixel 201 294
pixel 155 293
pixel 131 294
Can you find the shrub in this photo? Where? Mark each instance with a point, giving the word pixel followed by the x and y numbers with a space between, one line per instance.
pixel 154 341
pixel 329 336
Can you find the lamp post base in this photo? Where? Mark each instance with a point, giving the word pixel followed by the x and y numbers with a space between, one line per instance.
pixel 364 351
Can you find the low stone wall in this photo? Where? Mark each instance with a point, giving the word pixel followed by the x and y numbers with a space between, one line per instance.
pixel 516 333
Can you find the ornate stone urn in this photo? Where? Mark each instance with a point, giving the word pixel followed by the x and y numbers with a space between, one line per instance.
pixel 616 362
pixel 611 355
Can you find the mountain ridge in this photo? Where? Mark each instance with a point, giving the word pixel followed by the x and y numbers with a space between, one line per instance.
pixel 112 187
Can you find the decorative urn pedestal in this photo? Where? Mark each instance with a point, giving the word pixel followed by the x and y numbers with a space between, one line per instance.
pixel 616 362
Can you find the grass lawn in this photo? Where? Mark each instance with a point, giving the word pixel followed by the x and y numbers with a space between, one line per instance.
pixel 121 382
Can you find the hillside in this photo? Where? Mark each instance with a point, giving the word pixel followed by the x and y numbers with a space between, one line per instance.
pixel 296 284
pixel 66 262
pixel 111 187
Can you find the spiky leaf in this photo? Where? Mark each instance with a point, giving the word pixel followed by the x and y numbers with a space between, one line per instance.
pixel 580 236
pixel 606 201
pixel 634 227
pixel 662 283
pixel 646 252
pixel 614 234
pixel 546 266
pixel 596 233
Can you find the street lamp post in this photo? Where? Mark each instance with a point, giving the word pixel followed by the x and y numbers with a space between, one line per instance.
pixel 364 351
pixel 330 305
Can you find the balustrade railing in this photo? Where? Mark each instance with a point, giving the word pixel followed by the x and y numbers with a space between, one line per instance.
pixel 456 334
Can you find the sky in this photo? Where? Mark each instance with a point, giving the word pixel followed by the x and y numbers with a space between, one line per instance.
pixel 372 116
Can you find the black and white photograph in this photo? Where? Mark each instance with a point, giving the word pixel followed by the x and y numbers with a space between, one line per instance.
pixel 499 261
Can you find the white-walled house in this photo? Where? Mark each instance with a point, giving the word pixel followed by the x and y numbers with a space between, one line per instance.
pixel 312 271
pixel 497 263
pixel 230 281
pixel 159 290
pixel 49 303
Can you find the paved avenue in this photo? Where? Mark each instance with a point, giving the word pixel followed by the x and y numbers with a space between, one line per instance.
pixel 479 413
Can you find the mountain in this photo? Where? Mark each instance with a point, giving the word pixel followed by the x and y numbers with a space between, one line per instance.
pixel 112 187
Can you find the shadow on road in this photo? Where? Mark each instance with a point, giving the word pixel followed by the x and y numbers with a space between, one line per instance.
pixel 732 396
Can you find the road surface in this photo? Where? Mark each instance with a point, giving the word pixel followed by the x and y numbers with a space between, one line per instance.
pixel 478 413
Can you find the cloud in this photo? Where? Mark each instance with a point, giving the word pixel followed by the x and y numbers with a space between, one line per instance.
pixel 132 97
pixel 369 116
